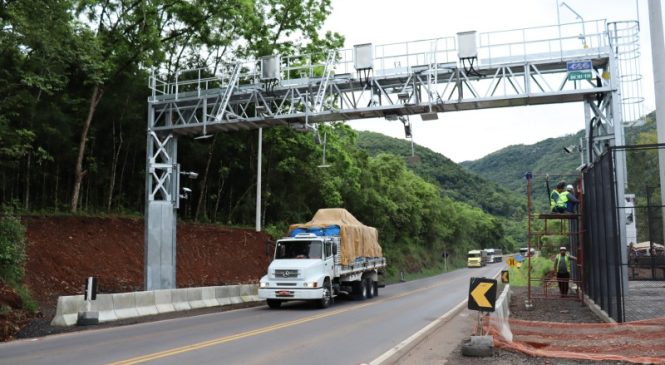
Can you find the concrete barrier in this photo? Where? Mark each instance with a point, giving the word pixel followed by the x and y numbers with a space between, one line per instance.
pixel 145 303
pixel 179 300
pixel 111 307
pixel 208 296
pixel 249 293
pixel 163 301
pixel 124 305
pixel 67 311
pixel 222 294
pixel 104 306
pixel 234 294
pixel 195 298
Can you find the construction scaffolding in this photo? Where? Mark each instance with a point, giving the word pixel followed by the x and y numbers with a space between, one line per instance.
pixel 568 225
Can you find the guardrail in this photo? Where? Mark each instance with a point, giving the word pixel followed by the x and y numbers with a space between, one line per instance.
pixel 112 307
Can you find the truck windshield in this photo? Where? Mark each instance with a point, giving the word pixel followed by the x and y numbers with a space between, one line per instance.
pixel 472 255
pixel 298 250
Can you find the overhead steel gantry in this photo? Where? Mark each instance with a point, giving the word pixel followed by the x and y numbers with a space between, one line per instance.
pixel 468 72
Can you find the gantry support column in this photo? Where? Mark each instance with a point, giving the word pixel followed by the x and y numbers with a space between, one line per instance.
pixel 162 177
pixel 620 170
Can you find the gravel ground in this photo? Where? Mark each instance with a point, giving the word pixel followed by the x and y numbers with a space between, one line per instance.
pixel 553 310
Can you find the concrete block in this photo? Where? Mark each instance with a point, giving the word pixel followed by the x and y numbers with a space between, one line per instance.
pixel 145 303
pixel 179 300
pixel 249 293
pixel 208 295
pixel 478 346
pixel 163 301
pixel 234 294
pixel 223 295
pixel 195 298
pixel 67 310
pixel 104 306
pixel 88 318
pixel 124 305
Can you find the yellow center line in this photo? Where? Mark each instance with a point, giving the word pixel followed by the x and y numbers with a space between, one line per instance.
pixel 225 339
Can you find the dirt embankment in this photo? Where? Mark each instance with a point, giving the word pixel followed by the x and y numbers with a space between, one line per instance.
pixel 63 251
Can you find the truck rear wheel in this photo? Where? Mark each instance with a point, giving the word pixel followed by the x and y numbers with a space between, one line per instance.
pixel 274 303
pixel 359 290
pixel 369 287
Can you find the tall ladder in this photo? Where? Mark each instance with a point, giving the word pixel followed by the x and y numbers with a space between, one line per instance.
pixel 226 96
pixel 331 61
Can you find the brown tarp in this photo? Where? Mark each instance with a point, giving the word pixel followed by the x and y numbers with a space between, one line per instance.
pixel 357 239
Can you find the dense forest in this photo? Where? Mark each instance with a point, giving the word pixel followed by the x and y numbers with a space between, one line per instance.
pixel 73 89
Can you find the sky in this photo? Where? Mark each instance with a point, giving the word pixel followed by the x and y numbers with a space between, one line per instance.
pixel 470 135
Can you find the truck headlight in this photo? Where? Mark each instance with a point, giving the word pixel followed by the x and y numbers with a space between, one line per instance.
pixel 264 284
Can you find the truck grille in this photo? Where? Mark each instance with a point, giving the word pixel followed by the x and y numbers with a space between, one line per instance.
pixel 286 274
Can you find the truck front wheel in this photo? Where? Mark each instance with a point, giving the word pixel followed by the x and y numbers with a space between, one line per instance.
pixel 274 303
pixel 326 300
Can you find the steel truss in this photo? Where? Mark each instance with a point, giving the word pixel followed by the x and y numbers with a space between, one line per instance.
pixel 515 68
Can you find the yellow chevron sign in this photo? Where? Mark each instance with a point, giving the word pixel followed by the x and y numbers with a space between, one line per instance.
pixel 482 294
pixel 505 276
pixel 511 261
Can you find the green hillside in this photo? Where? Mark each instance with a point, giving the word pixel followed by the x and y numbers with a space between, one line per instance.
pixel 508 166
pixel 454 181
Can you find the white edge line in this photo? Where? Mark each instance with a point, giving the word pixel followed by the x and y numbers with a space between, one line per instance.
pixel 388 354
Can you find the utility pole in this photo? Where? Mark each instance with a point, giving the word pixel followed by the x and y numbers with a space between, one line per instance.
pixel 258 182
pixel 657 60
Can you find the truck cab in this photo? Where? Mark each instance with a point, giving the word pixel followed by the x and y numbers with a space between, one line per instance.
pixel 303 268
pixel 476 258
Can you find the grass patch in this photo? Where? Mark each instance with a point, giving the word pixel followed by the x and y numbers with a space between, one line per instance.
pixel 29 303
pixel 540 266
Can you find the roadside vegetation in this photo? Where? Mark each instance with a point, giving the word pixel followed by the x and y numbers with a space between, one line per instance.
pixel 540 267
pixel 12 257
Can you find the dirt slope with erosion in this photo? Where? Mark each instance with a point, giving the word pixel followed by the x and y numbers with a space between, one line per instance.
pixel 63 251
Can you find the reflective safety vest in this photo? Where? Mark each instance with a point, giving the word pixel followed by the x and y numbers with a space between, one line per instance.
pixel 563 198
pixel 558 258
pixel 556 200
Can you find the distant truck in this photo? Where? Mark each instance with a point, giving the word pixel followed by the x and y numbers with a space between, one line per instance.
pixel 493 255
pixel 330 255
pixel 524 251
pixel 476 258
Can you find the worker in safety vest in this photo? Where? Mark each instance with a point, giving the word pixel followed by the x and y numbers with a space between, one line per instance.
pixel 562 269
pixel 557 204
pixel 569 199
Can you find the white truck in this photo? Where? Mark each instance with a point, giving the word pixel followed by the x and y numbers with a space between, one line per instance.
pixel 332 254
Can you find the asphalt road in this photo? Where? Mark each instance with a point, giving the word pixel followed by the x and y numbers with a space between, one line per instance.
pixel 349 332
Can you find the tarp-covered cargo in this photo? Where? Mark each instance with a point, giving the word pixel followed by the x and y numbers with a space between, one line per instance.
pixel 356 239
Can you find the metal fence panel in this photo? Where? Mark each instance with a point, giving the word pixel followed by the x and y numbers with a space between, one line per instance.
pixel 643 209
pixel 602 242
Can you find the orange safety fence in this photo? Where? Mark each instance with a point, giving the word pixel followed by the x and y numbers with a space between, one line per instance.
pixel 635 342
